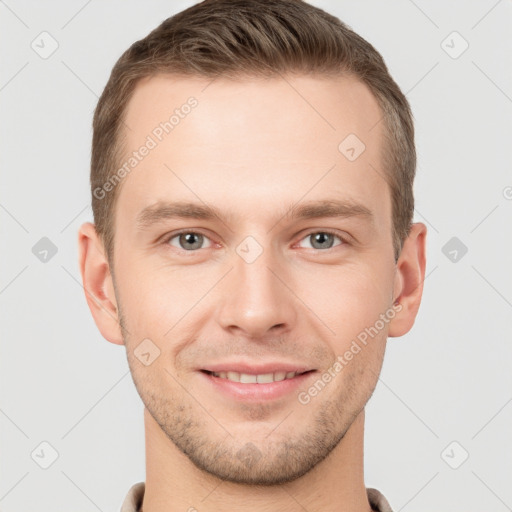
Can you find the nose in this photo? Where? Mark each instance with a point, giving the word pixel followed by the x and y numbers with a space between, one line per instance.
pixel 257 298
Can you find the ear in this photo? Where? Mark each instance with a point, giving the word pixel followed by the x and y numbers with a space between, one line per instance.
pixel 409 277
pixel 98 284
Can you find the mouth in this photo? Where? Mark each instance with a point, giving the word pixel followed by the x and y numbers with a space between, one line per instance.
pixel 260 378
pixel 256 387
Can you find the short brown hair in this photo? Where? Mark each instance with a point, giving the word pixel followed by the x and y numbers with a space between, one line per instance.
pixel 238 38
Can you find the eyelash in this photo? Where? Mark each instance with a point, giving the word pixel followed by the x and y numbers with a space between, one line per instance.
pixel 168 238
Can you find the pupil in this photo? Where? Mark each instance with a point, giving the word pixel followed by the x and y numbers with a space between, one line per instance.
pixel 188 239
pixel 321 239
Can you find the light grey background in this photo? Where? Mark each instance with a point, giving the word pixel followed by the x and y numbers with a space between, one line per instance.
pixel 448 380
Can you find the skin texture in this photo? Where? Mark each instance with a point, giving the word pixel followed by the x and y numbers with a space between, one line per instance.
pixel 253 148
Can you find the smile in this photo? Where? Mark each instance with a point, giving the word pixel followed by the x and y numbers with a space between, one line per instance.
pixel 256 387
pixel 262 378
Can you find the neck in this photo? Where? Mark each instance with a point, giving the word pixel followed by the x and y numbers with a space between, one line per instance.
pixel 174 484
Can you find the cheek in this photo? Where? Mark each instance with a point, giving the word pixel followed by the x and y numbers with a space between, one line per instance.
pixel 159 302
pixel 348 299
pixel 155 299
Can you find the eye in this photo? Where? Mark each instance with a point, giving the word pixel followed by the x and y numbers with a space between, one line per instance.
pixel 188 240
pixel 322 239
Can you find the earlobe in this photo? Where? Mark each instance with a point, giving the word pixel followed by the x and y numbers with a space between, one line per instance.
pixel 410 274
pixel 97 283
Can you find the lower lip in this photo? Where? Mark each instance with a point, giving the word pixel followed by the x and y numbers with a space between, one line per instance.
pixel 257 392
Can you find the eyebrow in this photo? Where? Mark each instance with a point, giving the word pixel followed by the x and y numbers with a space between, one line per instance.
pixel 307 210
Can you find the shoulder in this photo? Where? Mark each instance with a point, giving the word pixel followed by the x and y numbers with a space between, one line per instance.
pixel 378 501
pixel 133 499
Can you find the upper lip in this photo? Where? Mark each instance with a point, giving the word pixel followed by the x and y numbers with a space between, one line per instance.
pixel 257 368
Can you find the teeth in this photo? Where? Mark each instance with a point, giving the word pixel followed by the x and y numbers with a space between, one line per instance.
pixel 247 378
pixel 265 378
pixel 279 376
pixel 234 376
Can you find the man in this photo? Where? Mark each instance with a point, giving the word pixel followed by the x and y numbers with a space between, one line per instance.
pixel 253 248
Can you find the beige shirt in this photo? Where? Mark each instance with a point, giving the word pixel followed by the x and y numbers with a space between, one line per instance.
pixel 133 499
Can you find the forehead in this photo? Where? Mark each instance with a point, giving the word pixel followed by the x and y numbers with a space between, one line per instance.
pixel 252 141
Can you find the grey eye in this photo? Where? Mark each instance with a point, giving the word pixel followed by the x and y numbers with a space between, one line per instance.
pixel 188 241
pixel 322 240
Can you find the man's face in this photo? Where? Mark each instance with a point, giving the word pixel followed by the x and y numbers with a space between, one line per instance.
pixel 260 289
